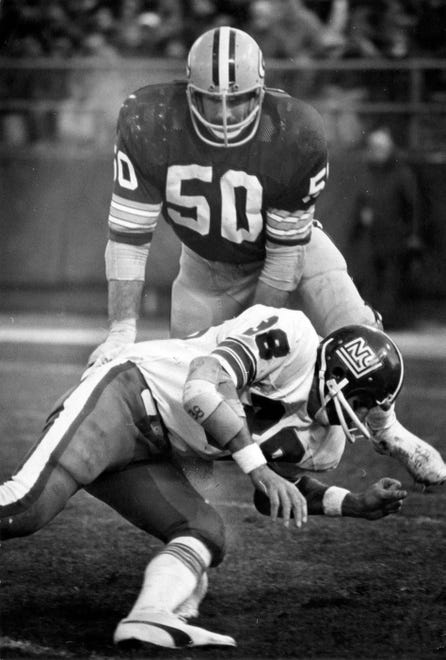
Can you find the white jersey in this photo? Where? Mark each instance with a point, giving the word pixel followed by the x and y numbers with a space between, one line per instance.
pixel 270 355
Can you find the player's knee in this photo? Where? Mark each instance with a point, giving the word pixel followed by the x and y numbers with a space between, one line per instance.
pixel 24 523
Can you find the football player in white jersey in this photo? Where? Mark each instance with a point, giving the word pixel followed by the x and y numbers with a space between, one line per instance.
pixel 261 389
pixel 235 168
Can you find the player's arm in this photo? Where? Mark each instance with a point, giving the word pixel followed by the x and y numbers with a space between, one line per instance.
pixel 289 227
pixel 280 275
pixel 124 302
pixel 125 271
pixel 211 399
pixel 376 501
pixel 134 211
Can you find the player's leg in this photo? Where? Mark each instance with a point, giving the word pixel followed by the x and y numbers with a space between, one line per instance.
pixel 93 429
pixel 159 499
pixel 207 293
pixel 329 297
pixel 326 292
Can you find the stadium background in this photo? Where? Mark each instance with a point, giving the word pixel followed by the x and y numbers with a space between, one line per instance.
pixel 66 68
pixel 352 590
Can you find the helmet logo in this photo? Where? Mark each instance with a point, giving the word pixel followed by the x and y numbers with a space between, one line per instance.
pixel 359 357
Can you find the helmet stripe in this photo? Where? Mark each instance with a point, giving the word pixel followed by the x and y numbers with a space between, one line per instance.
pixel 223 59
pixel 215 58
pixel 232 57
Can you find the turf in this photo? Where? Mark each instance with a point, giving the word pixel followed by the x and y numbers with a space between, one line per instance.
pixel 336 589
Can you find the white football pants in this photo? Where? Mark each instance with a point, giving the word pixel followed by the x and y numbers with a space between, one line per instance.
pixel 206 293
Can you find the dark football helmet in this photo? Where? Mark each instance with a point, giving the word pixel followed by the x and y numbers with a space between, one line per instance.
pixel 357 366
pixel 225 90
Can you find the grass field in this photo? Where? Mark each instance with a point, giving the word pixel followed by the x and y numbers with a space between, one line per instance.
pixel 336 589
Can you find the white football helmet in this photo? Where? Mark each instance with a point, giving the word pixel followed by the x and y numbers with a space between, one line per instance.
pixel 225 90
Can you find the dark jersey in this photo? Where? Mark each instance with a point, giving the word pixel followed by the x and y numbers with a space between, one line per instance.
pixel 223 203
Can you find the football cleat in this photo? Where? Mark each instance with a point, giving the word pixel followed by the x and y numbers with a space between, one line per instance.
pixel 166 630
pixel 423 462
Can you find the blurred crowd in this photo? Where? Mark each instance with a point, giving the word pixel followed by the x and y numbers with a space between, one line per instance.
pixel 41 104
pixel 291 29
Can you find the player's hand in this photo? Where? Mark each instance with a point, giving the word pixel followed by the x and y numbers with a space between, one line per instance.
pixel 380 499
pixel 104 353
pixel 282 495
pixel 122 333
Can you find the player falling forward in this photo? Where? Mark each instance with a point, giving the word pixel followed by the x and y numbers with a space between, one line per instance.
pixel 235 168
pixel 260 388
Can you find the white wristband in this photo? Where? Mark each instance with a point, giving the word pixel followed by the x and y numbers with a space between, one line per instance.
pixel 249 458
pixel 332 500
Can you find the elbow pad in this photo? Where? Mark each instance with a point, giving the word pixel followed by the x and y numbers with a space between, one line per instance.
pixel 124 261
pixel 210 398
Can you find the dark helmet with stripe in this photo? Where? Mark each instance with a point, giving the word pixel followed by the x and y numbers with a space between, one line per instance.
pixel 358 365
pixel 225 90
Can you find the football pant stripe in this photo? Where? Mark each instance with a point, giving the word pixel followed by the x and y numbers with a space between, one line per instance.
pixel 30 479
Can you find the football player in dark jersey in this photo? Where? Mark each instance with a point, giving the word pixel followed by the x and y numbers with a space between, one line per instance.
pixel 235 168
pixel 260 388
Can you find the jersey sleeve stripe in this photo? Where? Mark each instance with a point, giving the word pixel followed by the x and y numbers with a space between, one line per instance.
pixel 294 238
pixel 130 225
pixel 131 239
pixel 130 210
pixel 303 240
pixel 292 231
pixel 239 359
pixel 142 206
pixel 132 217
pixel 277 220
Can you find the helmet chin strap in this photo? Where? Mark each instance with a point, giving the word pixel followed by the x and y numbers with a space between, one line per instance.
pixel 336 395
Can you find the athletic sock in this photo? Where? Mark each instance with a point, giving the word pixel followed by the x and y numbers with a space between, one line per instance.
pixel 172 575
